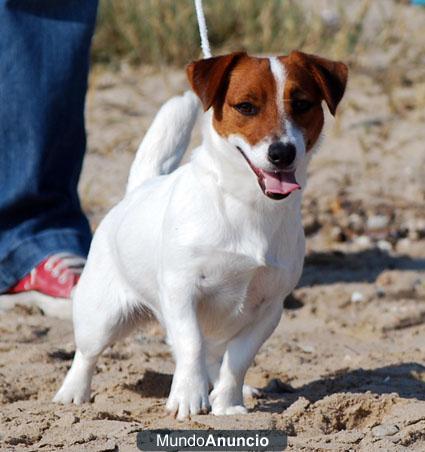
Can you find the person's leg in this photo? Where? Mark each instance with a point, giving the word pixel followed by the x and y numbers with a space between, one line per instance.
pixel 44 61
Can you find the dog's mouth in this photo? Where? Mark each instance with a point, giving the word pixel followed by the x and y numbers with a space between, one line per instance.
pixel 274 184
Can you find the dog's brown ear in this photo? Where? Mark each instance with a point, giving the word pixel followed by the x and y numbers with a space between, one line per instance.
pixel 330 76
pixel 208 77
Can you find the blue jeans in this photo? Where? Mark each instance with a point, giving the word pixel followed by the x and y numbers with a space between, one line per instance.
pixel 44 63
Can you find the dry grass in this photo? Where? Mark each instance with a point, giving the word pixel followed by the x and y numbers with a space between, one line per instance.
pixel 382 38
pixel 165 31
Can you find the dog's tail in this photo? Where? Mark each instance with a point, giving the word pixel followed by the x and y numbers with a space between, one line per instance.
pixel 165 142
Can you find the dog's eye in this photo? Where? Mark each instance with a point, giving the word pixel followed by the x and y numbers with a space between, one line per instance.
pixel 246 109
pixel 301 105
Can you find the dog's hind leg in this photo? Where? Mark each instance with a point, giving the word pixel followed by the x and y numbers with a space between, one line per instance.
pixel 98 321
pixel 94 333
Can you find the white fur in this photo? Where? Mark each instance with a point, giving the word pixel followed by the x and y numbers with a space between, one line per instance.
pixel 204 250
pixel 294 135
pixel 151 159
pixel 279 73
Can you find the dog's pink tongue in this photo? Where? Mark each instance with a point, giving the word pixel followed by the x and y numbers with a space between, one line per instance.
pixel 281 183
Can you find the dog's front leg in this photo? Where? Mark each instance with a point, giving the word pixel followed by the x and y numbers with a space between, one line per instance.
pixel 227 397
pixel 189 390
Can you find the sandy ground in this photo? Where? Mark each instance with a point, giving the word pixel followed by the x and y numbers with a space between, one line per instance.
pixel 345 369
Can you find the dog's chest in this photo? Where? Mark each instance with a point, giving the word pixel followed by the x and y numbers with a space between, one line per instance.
pixel 237 276
pixel 236 284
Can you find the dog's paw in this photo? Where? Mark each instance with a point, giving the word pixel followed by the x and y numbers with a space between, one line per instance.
pixel 188 396
pixel 72 393
pixel 219 410
pixel 227 402
pixel 75 388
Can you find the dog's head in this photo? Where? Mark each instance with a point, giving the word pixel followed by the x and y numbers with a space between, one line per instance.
pixel 270 109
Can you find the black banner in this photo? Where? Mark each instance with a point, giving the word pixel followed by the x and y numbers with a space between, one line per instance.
pixel 211 440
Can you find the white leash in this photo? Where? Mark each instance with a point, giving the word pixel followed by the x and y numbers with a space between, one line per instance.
pixel 203 31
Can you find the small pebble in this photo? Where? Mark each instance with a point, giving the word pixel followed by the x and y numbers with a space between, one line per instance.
pixel 356 222
pixel 377 222
pixel 307 348
pixel 384 245
pixel 380 292
pixel 363 241
pixel 384 430
pixel 357 297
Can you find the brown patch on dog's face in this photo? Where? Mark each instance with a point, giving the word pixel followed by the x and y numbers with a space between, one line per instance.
pixel 301 89
pixel 251 86
pixel 245 83
pixel 242 91
pixel 309 80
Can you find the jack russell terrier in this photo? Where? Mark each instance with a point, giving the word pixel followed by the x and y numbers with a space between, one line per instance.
pixel 212 247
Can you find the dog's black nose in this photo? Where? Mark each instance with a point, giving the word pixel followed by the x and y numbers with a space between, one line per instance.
pixel 281 154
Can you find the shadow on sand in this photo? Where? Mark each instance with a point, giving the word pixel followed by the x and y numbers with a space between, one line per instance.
pixel 362 266
pixel 405 379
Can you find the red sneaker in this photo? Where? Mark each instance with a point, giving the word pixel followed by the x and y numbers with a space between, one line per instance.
pixel 49 286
